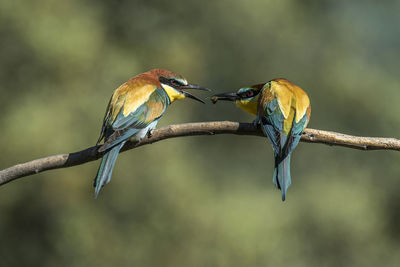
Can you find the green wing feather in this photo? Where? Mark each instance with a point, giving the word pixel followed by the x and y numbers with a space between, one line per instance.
pixel 272 125
pixel 123 127
pixel 116 131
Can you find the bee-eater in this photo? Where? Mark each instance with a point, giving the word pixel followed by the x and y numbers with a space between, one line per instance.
pixel 283 110
pixel 134 109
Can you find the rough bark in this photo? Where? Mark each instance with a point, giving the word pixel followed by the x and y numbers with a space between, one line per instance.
pixel 190 129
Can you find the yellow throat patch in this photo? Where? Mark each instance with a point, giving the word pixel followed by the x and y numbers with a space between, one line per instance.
pixel 249 106
pixel 172 93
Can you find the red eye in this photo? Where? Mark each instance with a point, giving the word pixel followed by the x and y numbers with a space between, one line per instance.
pixel 174 82
pixel 249 93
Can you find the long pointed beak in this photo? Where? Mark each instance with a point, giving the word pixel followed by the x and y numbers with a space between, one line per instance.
pixel 189 95
pixel 194 86
pixel 225 96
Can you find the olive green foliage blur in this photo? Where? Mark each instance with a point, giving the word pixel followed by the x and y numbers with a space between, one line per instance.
pixel 199 201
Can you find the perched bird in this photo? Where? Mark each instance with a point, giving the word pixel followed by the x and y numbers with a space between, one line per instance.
pixel 283 110
pixel 134 109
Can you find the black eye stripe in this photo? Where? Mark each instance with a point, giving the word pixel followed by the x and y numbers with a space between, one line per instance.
pixel 176 82
pixel 163 80
pixel 249 93
pixel 170 81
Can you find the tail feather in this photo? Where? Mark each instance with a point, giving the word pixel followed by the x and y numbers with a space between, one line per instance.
pixel 282 179
pixel 106 167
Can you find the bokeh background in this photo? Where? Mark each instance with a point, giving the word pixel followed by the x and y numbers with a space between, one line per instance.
pixel 199 201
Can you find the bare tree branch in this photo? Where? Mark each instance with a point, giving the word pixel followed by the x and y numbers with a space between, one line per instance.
pixel 189 129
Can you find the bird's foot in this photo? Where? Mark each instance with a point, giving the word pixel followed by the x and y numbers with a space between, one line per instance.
pixel 149 133
pixel 256 122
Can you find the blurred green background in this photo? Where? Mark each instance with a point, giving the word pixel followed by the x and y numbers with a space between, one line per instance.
pixel 199 201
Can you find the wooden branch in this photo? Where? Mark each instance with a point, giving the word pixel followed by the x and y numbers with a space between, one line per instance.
pixel 189 129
